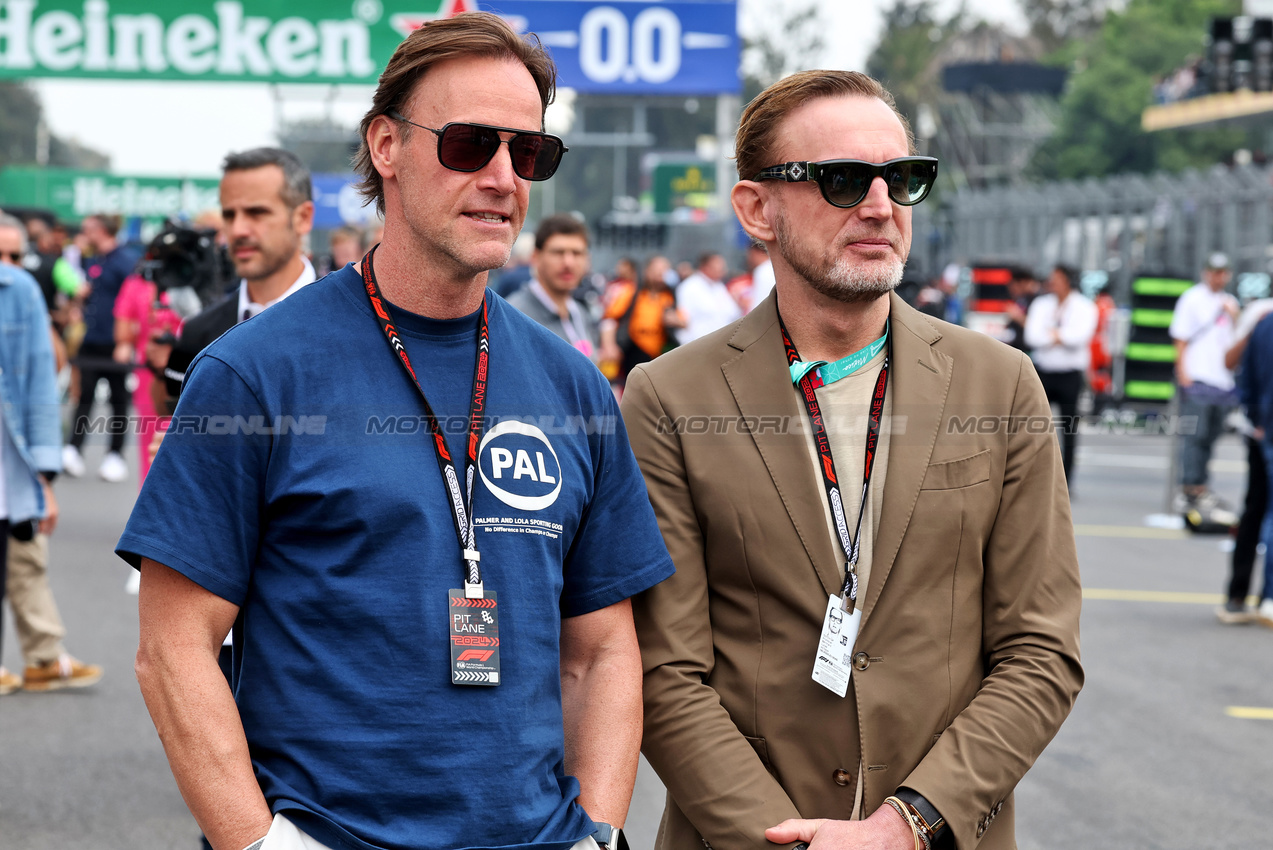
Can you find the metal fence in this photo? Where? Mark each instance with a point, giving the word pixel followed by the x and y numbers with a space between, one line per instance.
pixel 1125 225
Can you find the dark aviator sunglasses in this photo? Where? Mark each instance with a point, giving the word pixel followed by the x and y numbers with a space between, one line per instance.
pixel 469 147
pixel 846 182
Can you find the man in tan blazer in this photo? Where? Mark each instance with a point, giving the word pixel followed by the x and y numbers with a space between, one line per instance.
pixel 965 661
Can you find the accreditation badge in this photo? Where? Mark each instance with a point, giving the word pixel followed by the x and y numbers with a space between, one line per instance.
pixel 474 639
pixel 834 664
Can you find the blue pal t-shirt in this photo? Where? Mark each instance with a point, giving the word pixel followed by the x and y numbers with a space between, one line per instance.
pixel 298 481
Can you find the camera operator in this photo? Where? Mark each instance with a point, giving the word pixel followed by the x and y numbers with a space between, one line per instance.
pixel 267 208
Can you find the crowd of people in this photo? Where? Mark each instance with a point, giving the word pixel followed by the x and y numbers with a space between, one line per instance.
pixel 1219 388
pixel 641 310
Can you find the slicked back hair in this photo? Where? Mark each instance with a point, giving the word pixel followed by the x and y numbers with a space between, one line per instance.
pixel 478 34
pixel 297 186
pixel 757 142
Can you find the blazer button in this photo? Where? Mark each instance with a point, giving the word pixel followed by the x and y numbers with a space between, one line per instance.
pixel 861 661
pixel 841 776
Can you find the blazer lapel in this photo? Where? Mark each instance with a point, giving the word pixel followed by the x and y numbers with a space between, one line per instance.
pixel 761 384
pixel 919 384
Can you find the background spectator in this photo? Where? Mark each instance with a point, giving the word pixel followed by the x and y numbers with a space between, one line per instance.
pixel 1202 328
pixel 31 441
pixel 110 265
pixel 704 299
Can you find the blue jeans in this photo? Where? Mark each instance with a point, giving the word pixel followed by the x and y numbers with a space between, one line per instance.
pixel 1195 448
pixel 1266 530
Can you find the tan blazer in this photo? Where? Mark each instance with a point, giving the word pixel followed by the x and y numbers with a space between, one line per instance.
pixel 967 660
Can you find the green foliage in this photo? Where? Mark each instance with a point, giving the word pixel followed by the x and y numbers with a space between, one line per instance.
pixel 776 51
pixel 1099 132
pixel 913 34
pixel 20 113
pixel 1057 23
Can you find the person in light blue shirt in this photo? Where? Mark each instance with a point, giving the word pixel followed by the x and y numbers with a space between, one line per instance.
pixel 32 439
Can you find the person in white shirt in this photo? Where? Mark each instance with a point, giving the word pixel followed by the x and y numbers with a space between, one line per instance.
pixel 1202 328
pixel 1246 537
pixel 705 300
pixel 1058 330
pixel 762 282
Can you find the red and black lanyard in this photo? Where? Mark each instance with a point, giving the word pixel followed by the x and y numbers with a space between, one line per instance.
pixel 461 499
pixel 850 544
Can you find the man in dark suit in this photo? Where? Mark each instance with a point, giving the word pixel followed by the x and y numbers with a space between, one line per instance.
pixel 267 206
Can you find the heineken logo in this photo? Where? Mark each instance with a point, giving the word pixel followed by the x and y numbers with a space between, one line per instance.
pixel 405 23
pixel 229 43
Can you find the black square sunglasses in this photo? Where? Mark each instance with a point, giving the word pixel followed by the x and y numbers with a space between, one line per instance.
pixel 846 182
pixel 469 147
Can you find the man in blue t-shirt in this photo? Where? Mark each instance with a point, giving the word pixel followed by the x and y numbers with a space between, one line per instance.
pixel 110 264
pixel 418 510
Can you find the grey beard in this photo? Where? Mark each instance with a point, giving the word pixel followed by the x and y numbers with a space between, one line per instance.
pixel 838 280
pixel 841 280
pixel 851 285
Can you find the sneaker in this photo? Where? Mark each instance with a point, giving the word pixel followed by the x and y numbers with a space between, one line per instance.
pixel 9 682
pixel 1207 513
pixel 72 461
pixel 1264 616
pixel 113 468
pixel 1210 501
pixel 65 672
pixel 1234 613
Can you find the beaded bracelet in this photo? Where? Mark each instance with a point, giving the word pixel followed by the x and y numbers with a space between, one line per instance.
pixel 921 840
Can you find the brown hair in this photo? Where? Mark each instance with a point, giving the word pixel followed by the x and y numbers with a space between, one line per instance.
pixel 469 34
pixel 110 222
pixel 762 119
pixel 561 224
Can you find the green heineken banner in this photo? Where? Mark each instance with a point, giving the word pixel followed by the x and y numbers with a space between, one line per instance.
pixel 321 41
pixel 71 195
pixel 619 47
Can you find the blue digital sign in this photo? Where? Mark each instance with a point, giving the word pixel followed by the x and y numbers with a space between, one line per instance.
pixel 690 47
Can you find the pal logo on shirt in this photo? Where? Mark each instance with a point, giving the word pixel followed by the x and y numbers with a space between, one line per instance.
pixel 519 466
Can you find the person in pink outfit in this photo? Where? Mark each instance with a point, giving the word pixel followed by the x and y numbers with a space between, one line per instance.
pixel 141 315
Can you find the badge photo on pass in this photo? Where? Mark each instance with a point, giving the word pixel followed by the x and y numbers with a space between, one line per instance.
pixel 834 664
pixel 474 638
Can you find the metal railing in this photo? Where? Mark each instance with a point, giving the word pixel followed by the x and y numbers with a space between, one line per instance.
pixel 1123 225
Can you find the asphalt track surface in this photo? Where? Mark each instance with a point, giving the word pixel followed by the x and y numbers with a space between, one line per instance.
pixel 1170 745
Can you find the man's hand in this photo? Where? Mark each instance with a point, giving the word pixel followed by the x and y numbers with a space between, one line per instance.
pixel 155 442
pixel 157 354
pixel 884 830
pixel 50 509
